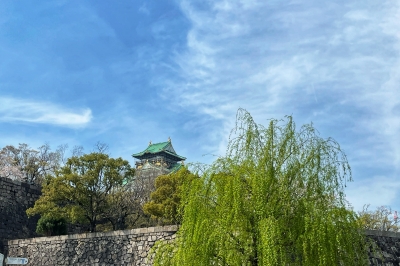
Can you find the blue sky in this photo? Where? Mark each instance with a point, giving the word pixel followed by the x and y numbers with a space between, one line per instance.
pixel 127 72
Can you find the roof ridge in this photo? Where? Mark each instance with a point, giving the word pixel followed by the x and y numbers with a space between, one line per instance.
pixel 159 147
pixel 159 143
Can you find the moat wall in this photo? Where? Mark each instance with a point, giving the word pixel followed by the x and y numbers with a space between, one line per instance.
pixel 127 247
pixel 389 245
pixel 15 198
pixel 131 247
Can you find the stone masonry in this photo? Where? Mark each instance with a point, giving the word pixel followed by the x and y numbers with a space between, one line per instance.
pixel 15 198
pixel 385 249
pixel 127 247
pixel 131 247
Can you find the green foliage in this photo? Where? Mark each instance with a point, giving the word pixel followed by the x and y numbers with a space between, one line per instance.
pixel 166 199
pixel 275 199
pixel 51 226
pixel 80 190
pixel 380 219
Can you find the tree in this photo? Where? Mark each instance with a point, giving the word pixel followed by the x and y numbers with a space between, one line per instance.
pixel 50 226
pixel 165 200
pixel 381 219
pixel 9 165
pixel 276 198
pixel 26 164
pixel 81 189
pixel 125 202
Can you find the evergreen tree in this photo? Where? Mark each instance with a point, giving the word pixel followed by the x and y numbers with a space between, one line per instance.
pixel 166 199
pixel 50 226
pixel 81 190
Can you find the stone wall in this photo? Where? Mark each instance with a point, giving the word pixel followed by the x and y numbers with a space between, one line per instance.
pixel 387 249
pixel 15 198
pixel 131 247
pixel 127 247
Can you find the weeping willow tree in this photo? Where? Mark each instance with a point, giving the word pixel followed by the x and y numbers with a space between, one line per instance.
pixel 276 198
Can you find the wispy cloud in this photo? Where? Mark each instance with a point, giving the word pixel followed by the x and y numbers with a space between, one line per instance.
pixel 380 190
pixel 22 110
pixel 335 64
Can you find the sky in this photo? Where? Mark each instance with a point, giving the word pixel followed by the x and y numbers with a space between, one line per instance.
pixel 127 72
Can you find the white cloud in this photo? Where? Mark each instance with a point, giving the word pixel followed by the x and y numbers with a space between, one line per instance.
pixel 22 110
pixel 336 65
pixel 357 15
pixel 144 9
pixel 377 191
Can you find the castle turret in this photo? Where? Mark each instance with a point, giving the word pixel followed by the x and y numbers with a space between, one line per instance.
pixel 157 159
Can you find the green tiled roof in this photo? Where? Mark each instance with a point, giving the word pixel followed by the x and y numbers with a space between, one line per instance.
pixel 176 155
pixel 176 167
pixel 158 147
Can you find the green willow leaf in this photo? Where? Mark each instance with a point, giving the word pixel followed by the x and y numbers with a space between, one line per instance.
pixel 276 198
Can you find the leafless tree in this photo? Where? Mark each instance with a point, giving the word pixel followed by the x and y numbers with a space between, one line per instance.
pixel 383 218
pixel 26 164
